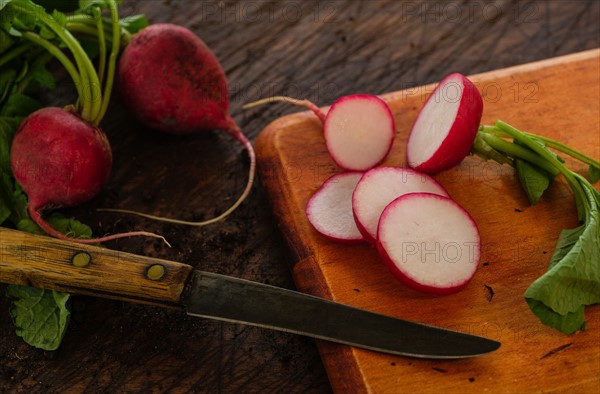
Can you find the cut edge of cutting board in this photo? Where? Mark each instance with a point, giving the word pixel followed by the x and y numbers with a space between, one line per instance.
pixel 344 373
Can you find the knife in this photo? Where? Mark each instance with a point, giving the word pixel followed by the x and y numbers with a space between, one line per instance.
pixel 49 263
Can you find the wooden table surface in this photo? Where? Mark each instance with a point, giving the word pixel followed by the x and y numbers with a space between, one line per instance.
pixel 317 50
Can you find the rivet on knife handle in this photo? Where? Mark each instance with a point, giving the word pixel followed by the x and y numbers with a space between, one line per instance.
pixel 49 263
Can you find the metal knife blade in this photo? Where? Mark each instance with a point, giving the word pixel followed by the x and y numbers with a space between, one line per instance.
pixel 45 262
pixel 237 300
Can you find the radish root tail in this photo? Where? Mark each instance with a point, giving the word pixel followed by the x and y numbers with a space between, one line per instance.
pixel 301 103
pixel 236 133
pixel 37 218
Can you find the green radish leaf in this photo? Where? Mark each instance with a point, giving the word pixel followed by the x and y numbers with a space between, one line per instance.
pixel 7 78
pixel 59 17
pixel 19 105
pixel 594 174
pixel 86 6
pixel 90 46
pixel 533 179
pixel 5 198
pixel 7 202
pixel 4 211
pixel 6 133
pixel 134 23
pixel 47 33
pixel 567 324
pixel 43 76
pixel 61 5
pixel 3 3
pixel 41 316
pixel 573 277
pixel 5 40
pixel 68 226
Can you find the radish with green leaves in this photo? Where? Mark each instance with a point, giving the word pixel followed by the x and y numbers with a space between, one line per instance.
pixel 59 156
pixel 380 186
pixel 359 129
pixel 173 83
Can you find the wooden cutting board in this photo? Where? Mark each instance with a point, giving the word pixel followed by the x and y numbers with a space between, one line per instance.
pixel 559 98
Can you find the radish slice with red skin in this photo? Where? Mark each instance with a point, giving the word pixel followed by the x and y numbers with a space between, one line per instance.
pixel 429 242
pixel 329 209
pixel 359 131
pixel 380 186
pixel 446 126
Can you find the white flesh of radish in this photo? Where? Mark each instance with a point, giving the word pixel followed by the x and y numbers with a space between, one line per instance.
pixel 435 120
pixel 329 210
pixel 380 186
pixel 429 242
pixel 359 131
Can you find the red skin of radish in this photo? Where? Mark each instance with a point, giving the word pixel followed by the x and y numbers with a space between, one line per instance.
pixel 59 159
pixel 404 277
pixel 459 140
pixel 173 82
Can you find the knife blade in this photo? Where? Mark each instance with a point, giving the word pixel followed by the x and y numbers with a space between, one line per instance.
pixel 49 263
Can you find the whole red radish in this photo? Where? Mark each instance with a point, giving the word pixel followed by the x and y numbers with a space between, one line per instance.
pixel 173 83
pixel 429 242
pixel 60 160
pixel 446 126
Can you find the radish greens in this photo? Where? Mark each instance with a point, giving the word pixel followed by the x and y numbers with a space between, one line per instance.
pixel 572 281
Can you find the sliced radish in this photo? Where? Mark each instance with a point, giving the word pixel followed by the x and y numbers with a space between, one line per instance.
pixel 359 131
pixel 429 242
pixel 446 126
pixel 329 210
pixel 380 186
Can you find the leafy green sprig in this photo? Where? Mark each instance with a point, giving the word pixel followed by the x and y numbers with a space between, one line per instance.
pixel 27 44
pixel 29 21
pixel 572 281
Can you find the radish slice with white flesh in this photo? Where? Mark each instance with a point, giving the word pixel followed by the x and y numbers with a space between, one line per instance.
pixel 380 186
pixel 359 131
pixel 429 242
pixel 446 126
pixel 329 210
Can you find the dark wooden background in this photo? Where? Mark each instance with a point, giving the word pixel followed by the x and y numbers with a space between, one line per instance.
pixel 319 50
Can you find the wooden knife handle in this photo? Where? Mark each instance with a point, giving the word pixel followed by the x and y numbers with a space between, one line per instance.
pixel 49 263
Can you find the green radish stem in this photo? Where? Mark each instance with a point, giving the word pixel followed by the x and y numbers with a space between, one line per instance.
pixel 13 53
pixel 112 61
pixel 572 180
pixel 550 143
pixel 90 103
pixel 59 55
pixel 101 45
pixel 302 103
pixel 40 61
pixel 517 151
pixel 82 24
